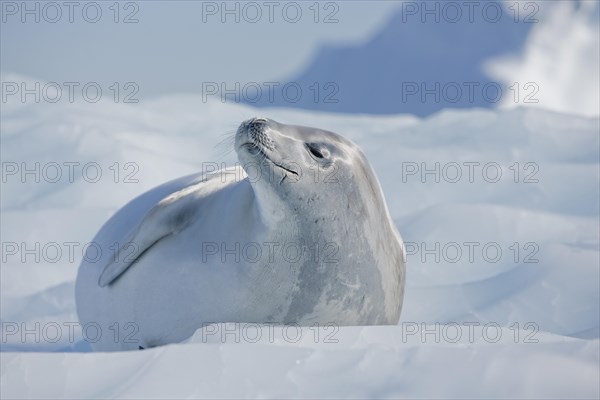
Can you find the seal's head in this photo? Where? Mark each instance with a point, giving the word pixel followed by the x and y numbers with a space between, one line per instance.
pixel 305 168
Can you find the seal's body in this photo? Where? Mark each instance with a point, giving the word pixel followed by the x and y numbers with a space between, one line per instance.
pixel 300 235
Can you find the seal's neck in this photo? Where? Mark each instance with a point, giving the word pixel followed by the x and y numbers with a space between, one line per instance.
pixel 269 208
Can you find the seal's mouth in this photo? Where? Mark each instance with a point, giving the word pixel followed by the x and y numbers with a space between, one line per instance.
pixel 255 149
pixel 257 142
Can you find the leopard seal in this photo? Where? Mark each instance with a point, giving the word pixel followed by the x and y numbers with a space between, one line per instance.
pixel 297 233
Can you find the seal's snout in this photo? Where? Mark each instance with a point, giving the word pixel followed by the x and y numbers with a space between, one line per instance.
pixel 254 124
pixel 258 120
pixel 255 132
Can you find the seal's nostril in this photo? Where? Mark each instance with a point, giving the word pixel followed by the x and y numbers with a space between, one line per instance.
pixel 258 135
pixel 257 124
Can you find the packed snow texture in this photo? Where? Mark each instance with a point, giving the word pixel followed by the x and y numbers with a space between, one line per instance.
pixel 539 295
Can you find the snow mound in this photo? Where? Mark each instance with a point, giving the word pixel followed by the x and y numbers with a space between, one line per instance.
pixel 528 317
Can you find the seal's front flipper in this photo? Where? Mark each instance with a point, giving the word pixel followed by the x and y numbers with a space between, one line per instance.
pixel 170 215
pixel 131 251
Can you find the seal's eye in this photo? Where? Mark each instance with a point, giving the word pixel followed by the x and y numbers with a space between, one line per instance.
pixel 317 151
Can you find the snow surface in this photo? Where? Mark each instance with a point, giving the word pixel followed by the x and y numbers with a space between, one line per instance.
pixel 548 312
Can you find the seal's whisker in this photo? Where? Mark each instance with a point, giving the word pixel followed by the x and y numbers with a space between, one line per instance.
pixel 242 114
pixel 226 145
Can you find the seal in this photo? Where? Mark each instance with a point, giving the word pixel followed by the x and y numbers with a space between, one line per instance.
pixel 297 233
